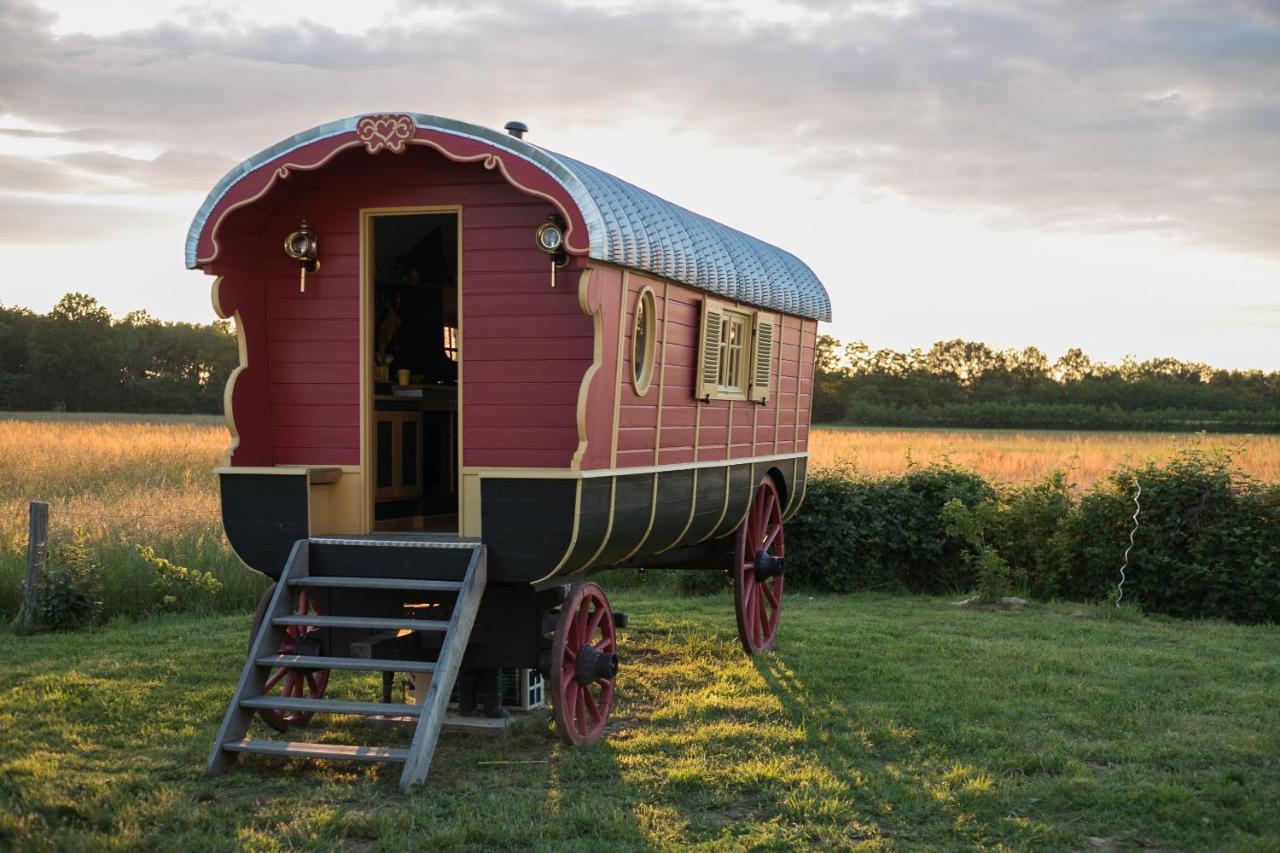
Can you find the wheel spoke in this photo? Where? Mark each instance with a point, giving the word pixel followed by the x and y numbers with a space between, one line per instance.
pixel 770 593
pixel 590 704
pixel 773 534
pixel 291 681
pixel 596 618
pixel 274 678
pixel 605 645
pixel 313 686
pixel 579 626
pixel 580 712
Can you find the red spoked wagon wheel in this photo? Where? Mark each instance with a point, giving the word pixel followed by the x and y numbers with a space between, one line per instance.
pixel 289 681
pixel 584 664
pixel 757 570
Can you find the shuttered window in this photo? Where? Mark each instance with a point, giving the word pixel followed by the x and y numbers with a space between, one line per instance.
pixel 736 353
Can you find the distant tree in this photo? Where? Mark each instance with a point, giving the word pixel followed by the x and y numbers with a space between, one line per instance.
pixel 76 357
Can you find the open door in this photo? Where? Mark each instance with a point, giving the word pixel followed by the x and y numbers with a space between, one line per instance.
pixel 413 360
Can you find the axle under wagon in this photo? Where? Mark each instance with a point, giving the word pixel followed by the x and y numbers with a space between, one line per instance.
pixel 473 372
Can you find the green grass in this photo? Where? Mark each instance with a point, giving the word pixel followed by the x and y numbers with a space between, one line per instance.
pixel 893 723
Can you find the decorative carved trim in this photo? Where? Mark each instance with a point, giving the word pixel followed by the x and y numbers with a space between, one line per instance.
pixel 490 161
pixel 385 130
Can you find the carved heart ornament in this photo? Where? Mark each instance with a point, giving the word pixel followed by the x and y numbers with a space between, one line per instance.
pixel 388 131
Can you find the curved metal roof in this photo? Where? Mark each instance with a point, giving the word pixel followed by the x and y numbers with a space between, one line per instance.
pixel 625 225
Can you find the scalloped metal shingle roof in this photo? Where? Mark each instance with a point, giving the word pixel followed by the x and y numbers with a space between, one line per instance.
pixel 625 225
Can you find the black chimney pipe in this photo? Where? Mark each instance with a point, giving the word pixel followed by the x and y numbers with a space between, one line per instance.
pixel 516 128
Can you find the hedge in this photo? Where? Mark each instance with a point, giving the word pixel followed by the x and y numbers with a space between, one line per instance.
pixel 1208 542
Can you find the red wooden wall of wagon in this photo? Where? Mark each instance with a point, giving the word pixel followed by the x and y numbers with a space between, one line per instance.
pixel 525 347
pixel 681 429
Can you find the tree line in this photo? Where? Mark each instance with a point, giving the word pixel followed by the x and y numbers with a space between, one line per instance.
pixel 79 358
pixel 961 383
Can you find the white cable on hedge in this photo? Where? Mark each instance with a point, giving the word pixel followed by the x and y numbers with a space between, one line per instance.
pixel 1132 533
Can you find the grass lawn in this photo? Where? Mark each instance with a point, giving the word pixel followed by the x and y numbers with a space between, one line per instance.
pixel 893 723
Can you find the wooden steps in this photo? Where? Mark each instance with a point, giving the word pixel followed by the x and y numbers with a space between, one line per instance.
pixel 264 657
pixel 326 662
pixel 333 706
pixel 371 622
pixel 330 751
pixel 377 583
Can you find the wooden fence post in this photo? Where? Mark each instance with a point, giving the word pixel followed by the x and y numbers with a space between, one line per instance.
pixel 37 551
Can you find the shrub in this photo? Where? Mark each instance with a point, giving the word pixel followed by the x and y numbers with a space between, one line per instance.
pixel 179 587
pixel 856 532
pixel 1208 540
pixel 1208 543
pixel 71 590
pixel 993 576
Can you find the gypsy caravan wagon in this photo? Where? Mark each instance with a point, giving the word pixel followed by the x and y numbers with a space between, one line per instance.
pixel 473 372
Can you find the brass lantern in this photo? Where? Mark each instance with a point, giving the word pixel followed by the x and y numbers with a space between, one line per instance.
pixel 302 246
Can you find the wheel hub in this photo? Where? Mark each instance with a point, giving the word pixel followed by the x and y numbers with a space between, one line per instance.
pixel 767 566
pixel 591 665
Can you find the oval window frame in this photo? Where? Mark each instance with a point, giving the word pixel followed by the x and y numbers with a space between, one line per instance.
pixel 642 379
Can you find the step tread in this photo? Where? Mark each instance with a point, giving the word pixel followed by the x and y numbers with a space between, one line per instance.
pixel 342 751
pixel 370 664
pixel 333 706
pixel 375 622
pixel 377 583
pixel 398 542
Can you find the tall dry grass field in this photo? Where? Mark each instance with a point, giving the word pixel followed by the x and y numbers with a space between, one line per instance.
pixel 118 482
pixel 1021 456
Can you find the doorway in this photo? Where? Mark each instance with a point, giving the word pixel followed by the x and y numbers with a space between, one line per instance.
pixel 414 352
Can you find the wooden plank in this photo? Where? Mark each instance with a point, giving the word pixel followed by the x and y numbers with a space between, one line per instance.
pixel 37 552
pixel 372 622
pixel 327 662
pixel 378 583
pixel 329 751
pixel 333 706
pixel 435 704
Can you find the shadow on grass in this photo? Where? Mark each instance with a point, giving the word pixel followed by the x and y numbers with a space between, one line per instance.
pixel 917 791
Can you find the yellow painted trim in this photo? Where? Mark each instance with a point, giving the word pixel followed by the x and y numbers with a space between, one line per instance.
pixel 751 488
pixel 617 377
pixel 597 361
pixel 724 509
pixel 573 537
pixel 367 216
pixel 653 514
pixel 593 473
pixel 697 430
pixel 795 436
pixel 242 350
pixel 470 494
pixel 645 380
pixel 693 508
pixel 608 528
pixel 777 387
pixel 662 373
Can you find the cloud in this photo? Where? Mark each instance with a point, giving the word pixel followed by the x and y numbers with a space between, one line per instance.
pixel 1114 117
pixel 30 219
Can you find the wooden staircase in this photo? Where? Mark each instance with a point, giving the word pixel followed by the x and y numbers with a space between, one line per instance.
pixel 313 566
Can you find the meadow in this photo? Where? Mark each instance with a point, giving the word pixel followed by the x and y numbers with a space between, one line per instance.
pixel 118 481
pixel 1021 456
pixel 880 723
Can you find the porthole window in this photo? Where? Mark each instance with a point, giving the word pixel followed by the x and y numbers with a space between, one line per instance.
pixel 642 343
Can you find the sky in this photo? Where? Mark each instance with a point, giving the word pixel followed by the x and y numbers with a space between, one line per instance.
pixel 1063 173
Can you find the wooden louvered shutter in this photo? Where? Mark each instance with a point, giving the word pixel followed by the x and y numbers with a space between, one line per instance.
pixel 761 357
pixel 709 360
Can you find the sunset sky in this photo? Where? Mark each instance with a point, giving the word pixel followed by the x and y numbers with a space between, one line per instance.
pixel 1102 175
